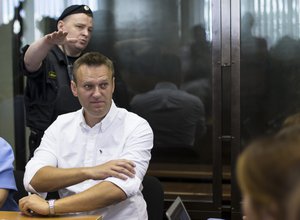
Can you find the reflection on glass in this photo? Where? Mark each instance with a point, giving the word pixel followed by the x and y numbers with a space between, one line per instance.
pixel 162 41
pixel 136 35
pixel 174 115
pixel 270 82
pixel 160 49
pixel 254 56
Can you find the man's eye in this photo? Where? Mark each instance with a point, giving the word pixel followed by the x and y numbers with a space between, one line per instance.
pixel 87 86
pixel 103 85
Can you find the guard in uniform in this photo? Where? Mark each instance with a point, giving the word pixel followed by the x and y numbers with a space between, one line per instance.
pixel 48 93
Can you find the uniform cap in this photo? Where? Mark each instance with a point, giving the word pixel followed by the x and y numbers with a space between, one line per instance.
pixel 75 9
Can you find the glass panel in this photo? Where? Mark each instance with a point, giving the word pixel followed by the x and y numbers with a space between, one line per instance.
pixel 153 42
pixel 162 52
pixel 169 42
pixel 269 65
pixel 162 55
pixel 6 85
pixel 270 68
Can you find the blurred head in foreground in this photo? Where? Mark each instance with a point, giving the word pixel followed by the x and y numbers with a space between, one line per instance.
pixel 268 174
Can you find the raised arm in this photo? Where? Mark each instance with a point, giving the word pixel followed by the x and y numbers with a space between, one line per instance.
pixel 38 50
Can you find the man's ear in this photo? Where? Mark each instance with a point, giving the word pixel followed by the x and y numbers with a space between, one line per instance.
pixel 74 88
pixel 60 24
pixel 113 84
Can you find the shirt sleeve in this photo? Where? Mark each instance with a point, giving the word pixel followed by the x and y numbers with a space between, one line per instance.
pixel 7 179
pixel 23 69
pixel 44 155
pixel 138 149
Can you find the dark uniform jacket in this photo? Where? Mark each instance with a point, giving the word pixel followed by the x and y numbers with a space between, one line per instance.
pixel 48 92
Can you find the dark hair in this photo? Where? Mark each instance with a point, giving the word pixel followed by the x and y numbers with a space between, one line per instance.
pixel 92 59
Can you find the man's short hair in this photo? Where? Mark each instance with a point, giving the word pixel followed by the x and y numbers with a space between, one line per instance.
pixel 92 59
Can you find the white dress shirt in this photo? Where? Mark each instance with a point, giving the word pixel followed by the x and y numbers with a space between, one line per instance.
pixel 69 142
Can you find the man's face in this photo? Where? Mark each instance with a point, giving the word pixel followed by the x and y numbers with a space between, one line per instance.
pixel 94 89
pixel 79 26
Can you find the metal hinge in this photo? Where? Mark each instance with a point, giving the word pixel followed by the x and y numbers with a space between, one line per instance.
pixel 226 138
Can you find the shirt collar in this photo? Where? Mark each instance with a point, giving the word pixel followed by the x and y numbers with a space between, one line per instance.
pixel 112 113
pixel 105 122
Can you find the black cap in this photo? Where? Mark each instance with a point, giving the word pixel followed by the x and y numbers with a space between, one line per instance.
pixel 75 9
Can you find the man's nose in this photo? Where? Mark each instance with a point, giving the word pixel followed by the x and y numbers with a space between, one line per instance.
pixel 97 91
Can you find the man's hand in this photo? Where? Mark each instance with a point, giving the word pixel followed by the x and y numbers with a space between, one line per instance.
pixel 121 169
pixel 59 38
pixel 34 204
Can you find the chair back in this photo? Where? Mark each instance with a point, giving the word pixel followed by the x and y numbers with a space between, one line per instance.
pixel 19 175
pixel 154 196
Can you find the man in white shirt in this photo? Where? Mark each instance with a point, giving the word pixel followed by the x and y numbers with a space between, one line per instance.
pixel 95 157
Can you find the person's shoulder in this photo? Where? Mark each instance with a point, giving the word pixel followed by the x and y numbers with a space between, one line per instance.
pixel 131 116
pixel 69 115
pixel 66 120
pixel 5 145
pixel 57 53
pixel 190 98
pixel 5 148
pixel 57 50
pixel 142 97
pixel 139 120
pixel 132 121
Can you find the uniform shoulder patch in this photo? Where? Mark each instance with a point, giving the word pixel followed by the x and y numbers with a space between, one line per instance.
pixel 52 75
